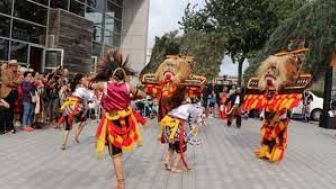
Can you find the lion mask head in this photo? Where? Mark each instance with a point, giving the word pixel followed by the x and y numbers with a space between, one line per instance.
pixel 278 71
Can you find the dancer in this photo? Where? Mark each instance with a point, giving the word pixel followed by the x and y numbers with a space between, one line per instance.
pixel 195 121
pixel 234 112
pixel 118 127
pixel 277 89
pixel 171 84
pixel 74 109
pixel 222 108
pixel 174 131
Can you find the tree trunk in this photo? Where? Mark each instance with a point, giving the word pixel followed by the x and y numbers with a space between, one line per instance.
pixel 327 97
pixel 240 73
pixel 240 70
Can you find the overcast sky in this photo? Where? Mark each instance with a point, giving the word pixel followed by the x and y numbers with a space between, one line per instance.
pixel 163 17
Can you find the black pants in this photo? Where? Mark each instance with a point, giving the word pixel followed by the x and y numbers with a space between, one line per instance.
pixel 2 120
pixel 9 113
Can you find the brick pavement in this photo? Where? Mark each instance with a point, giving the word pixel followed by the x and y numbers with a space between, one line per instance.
pixel 225 159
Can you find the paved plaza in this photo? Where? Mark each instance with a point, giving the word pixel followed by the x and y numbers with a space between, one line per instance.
pixel 225 159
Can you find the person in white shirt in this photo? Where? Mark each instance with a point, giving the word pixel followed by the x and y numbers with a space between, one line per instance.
pixel 173 128
pixel 75 109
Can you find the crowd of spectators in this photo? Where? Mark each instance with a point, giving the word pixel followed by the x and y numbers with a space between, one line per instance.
pixel 30 100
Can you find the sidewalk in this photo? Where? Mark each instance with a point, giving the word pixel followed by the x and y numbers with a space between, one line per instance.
pixel 225 159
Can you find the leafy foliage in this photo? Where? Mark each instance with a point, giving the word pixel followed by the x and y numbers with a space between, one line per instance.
pixel 206 48
pixel 246 25
pixel 315 22
pixel 169 43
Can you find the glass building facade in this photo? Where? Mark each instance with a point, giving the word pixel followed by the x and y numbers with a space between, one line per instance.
pixel 24 27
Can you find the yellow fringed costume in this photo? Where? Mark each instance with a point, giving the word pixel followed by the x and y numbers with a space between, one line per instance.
pixel 276 90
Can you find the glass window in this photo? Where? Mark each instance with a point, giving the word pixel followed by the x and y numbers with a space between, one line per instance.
pixel 116 40
pixel 112 24
pixel 118 2
pixel 77 8
pixel 62 4
pixel 97 48
pixel 113 10
pixel 108 37
pixel 53 59
pixel 44 2
pixel 97 34
pixel 6 6
pixel 4 46
pixel 28 32
pixel 111 38
pixel 19 51
pixel 31 12
pixel 4 26
pixel 94 16
pixel 97 4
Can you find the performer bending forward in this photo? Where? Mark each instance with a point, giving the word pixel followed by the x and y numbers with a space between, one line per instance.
pixel 173 132
pixel 118 127
pixel 74 109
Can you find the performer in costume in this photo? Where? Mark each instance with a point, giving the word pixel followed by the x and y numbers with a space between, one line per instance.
pixel 171 84
pixel 223 96
pixel 195 121
pixel 234 112
pixel 174 131
pixel 277 89
pixel 74 109
pixel 119 125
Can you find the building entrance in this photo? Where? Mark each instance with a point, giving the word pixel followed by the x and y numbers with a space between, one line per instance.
pixel 36 58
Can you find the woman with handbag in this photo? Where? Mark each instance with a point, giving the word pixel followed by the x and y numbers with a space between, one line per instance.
pixel 29 99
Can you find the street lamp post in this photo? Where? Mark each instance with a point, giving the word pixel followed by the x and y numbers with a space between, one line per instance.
pixel 326 120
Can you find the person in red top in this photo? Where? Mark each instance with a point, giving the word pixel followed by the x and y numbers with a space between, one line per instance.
pixel 118 127
pixel 223 97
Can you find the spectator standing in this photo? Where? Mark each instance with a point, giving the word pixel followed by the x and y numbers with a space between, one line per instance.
pixel 3 105
pixel 8 92
pixel 39 106
pixel 28 100
pixel 19 101
pixel 54 86
pixel 307 99
pixel 212 103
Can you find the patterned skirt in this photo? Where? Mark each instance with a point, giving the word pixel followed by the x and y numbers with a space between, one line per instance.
pixel 72 109
pixel 172 130
pixel 120 129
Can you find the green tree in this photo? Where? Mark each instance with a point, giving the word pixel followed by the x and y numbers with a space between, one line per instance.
pixel 315 22
pixel 169 43
pixel 246 25
pixel 206 48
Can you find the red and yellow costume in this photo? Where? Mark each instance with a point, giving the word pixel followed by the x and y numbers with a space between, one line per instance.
pixel 277 90
pixel 119 125
pixel 171 84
